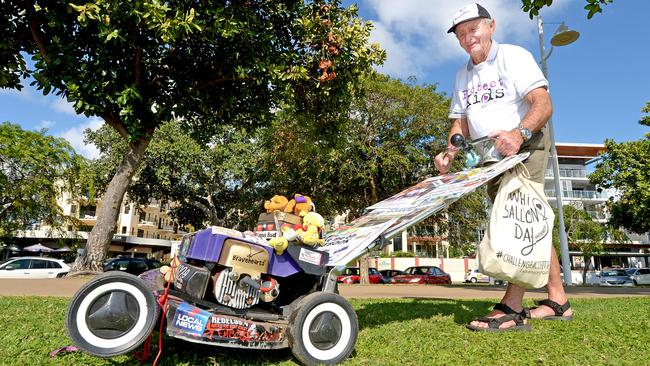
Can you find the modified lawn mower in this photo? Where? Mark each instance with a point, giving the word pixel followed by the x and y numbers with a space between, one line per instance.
pixel 227 289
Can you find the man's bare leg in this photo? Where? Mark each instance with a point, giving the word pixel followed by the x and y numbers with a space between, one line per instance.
pixel 555 291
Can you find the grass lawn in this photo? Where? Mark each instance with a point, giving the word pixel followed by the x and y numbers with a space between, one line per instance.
pixel 392 332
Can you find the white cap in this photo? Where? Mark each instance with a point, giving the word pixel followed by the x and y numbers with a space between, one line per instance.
pixel 467 13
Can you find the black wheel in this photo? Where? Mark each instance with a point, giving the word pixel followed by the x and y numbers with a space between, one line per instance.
pixel 472 280
pixel 111 315
pixel 323 329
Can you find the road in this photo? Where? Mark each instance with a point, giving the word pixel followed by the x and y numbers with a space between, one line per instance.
pixel 66 287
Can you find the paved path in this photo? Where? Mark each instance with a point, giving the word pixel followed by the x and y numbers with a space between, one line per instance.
pixel 66 287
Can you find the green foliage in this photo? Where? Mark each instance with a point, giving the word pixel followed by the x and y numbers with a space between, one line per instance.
pixel 397 254
pixel 583 233
pixel 386 144
pixel 34 170
pixel 137 64
pixel 208 64
pixel 532 7
pixel 216 183
pixel 625 167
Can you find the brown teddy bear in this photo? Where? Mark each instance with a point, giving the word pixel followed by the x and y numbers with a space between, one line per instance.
pixel 277 203
pixel 300 205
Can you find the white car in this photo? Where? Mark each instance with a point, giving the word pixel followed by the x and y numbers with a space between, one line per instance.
pixel 640 276
pixel 475 276
pixel 33 267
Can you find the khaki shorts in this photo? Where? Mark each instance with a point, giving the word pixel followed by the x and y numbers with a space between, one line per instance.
pixel 538 146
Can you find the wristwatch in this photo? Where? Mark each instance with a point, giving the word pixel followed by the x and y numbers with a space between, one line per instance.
pixel 525 133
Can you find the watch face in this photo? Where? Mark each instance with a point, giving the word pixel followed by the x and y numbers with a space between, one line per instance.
pixel 525 133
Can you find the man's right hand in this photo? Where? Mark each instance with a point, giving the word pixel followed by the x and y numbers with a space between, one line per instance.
pixel 443 161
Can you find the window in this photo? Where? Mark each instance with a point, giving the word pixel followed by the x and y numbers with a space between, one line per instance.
pixel 127 209
pixel 123 229
pixel 53 264
pixel 20 264
pixel 121 265
pixel 73 209
pixel 140 266
pixel 140 233
pixel 38 264
pixel 397 243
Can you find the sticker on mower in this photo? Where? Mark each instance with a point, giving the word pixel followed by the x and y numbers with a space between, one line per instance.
pixel 191 319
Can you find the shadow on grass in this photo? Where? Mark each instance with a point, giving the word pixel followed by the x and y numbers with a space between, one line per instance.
pixel 378 313
pixel 371 314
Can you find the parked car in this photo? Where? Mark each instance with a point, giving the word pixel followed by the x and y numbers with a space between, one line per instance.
pixel 640 276
pixel 475 276
pixel 351 275
pixel 615 277
pixel 33 267
pixel 388 274
pixel 423 275
pixel 131 265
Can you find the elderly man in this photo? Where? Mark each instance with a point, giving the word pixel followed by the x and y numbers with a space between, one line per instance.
pixel 500 92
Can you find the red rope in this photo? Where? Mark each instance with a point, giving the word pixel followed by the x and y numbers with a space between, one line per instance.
pixel 163 302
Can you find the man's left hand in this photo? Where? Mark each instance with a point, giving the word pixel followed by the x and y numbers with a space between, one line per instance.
pixel 507 142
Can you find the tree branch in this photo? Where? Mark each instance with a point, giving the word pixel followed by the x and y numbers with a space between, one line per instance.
pixel 36 34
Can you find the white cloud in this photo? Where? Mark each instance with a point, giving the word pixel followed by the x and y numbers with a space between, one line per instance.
pixel 47 124
pixel 75 137
pixel 63 106
pixel 25 93
pixel 414 32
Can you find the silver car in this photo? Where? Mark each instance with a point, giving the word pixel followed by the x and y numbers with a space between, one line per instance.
pixel 615 277
pixel 640 276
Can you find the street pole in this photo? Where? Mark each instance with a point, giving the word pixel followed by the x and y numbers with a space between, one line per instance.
pixel 564 245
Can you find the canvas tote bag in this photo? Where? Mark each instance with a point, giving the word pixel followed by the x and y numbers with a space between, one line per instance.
pixel 517 244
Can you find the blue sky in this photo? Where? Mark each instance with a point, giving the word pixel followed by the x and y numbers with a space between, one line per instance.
pixel 598 84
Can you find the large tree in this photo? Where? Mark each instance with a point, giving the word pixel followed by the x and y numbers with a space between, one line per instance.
pixel 217 183
pixel 34 169
pixel 208 63
pixel 386 144
pixel 625 167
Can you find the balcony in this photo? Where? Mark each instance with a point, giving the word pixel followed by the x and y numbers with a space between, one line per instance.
pixel 577 195
pixel 147 223
pixel 88 219
pixel 568 173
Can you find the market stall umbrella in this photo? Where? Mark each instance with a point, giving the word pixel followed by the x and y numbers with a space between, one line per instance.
pixel 38 248
pixel 64 248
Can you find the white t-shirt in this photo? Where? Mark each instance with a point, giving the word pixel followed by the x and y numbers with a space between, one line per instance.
pixel 491 94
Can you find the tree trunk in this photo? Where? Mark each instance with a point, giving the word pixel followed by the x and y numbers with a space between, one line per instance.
pixel 587 262
pixel 363 270
pixel 101 235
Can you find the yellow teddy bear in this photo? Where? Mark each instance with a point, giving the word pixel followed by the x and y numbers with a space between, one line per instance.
pixel 312 224
pixel 277 203
pixel 300 205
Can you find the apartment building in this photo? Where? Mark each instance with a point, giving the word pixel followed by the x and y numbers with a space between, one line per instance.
pixel 141 231
pixel 575 162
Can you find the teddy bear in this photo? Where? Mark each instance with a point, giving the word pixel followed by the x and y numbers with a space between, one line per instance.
pixel 281 243
pixel 167 270
pixel 312 224
pixel 300 205
pixel 277 203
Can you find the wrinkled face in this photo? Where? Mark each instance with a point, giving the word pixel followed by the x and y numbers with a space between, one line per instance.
pixel 475 36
